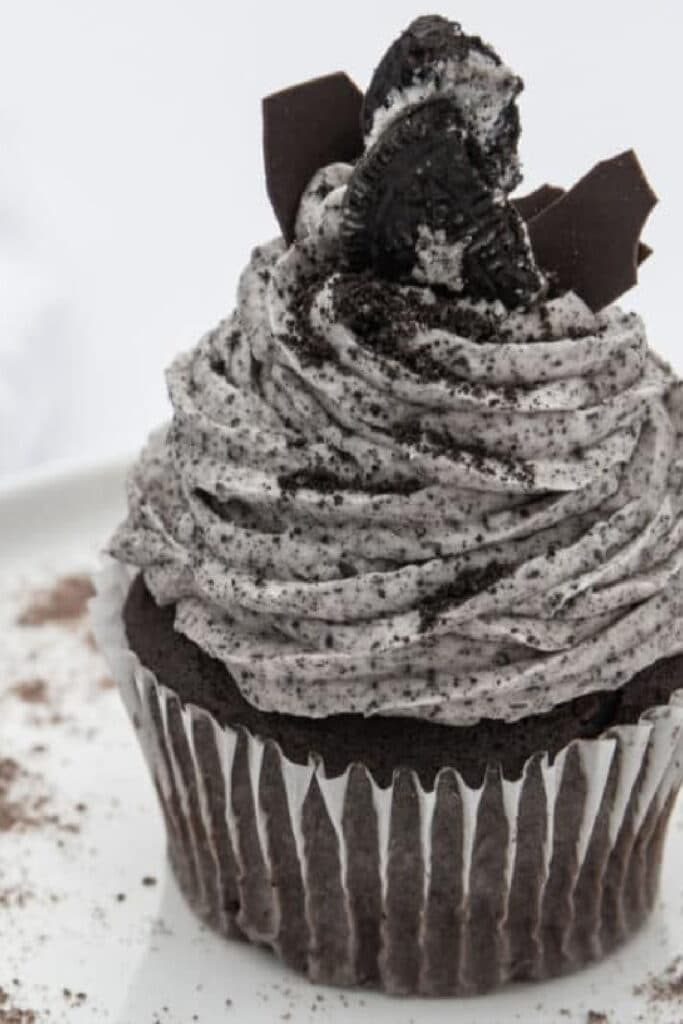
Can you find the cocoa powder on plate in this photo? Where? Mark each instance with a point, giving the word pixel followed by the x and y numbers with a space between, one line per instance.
pixel 66 601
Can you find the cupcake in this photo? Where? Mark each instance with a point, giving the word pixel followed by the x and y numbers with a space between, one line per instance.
pixel 396 610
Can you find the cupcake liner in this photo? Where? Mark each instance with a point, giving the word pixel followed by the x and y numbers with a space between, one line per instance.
pixel 443 891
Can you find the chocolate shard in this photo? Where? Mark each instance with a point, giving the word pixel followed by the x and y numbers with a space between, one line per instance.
pixel 306 127
pixel 536 202
pixel 530 206
pixel 644 253
pixel 588 239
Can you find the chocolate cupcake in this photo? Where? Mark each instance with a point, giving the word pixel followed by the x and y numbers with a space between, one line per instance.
pixel 397 607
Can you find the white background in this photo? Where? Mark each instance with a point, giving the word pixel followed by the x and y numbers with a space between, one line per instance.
pixel 131 183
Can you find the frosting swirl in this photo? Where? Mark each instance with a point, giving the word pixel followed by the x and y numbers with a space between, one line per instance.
pixel 383 499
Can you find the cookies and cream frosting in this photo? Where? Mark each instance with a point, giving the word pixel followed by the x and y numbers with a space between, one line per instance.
pixel 379 498
pixel 410 475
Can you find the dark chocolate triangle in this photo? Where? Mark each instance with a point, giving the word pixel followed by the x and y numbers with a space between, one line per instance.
pixel 589 238
pixel 306 127
pixel 530 206
pixel 644 253
pixel 536 202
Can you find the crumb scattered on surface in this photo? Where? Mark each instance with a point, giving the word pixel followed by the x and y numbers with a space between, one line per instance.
pixel 29 809
pixel 14 896
pixel 10 812
pixel 74 999
pixel 11 1014
pixel 666 987
pixel 149 880
pixel 30 691
pixel 66 601
pixel 596 1017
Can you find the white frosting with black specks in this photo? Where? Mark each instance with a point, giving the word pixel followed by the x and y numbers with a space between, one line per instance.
pixel 438 260
pixel 452 526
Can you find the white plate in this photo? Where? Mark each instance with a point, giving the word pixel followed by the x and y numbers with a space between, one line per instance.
pixel 145 959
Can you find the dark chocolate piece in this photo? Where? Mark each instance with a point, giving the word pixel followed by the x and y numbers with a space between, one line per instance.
pixel 589 239
pixel 530 206
pixel 424 175
pixel 644 253
pixel 306 127
pixel 419 54
pixel 536 202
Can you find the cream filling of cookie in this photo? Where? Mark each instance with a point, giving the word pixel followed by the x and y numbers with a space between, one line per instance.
pixel 362 513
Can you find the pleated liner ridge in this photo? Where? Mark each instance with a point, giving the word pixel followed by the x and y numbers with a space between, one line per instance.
pixel 453 890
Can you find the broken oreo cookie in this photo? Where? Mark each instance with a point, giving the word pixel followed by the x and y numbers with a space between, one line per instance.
pixel 418 208
pixel 434 57
pixel 425 45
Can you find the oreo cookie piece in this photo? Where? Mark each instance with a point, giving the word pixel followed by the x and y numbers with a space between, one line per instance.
pixel 499 262
pixel 435 57
pixel 428 42
pixel 418 208
pixel 501 164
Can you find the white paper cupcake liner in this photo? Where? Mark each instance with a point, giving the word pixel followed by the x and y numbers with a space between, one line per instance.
pixel 442 891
